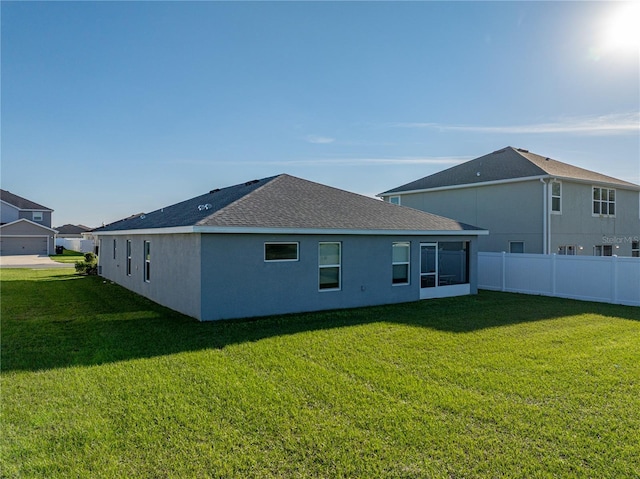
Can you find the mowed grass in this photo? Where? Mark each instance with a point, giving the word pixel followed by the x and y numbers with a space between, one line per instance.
pixel 67 256
pixel 98 382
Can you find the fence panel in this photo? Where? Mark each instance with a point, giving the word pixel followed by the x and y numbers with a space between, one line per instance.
pixel 76 244
pixel 592 278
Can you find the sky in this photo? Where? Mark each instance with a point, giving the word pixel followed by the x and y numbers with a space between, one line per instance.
pixel 115 108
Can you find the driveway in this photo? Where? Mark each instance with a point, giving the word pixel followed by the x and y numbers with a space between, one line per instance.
pixel 32 262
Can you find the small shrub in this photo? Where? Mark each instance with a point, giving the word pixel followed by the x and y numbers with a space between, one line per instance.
pixel 89 266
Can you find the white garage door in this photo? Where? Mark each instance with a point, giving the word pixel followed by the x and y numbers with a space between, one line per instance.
pixel 23 245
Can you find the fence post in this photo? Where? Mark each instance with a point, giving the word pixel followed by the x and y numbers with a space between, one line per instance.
pixel 614 279
pixel 504 272
pixel 553 274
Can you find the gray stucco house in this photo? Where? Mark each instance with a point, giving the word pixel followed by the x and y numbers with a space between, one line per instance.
pixel 532 204
pixel 285 245
pixel 25 226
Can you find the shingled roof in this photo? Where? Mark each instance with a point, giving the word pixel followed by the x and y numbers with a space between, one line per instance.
pixel 288 203
pixel 20 202
pixel 506 164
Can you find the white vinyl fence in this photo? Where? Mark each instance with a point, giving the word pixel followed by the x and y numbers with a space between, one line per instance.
pixel 76 244
pixel 608 279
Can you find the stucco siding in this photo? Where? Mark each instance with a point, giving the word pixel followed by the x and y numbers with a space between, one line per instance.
pixel 579 227
pixel 46 217
pixel 175 268
pixel 237 282
pixel 8 213
pixel 511 212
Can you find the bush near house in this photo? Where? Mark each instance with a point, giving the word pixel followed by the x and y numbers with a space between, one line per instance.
pixel 89 266
pixel 99 382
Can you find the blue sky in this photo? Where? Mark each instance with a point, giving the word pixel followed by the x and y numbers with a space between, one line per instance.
pixel 115 108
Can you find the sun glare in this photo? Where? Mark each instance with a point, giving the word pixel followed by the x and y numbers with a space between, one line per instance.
pixel 622 30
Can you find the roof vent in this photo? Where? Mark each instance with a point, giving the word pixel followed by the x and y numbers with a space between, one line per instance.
pixel 252 182
pixel 214 191
pixel 204 207
pixel 522 150
pixel 547 158
pixel 142 217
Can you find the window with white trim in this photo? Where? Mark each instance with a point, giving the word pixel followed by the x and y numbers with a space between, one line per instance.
pixel 128 257
pixel 556 197
pixel 401 255
pixel 604 201
pixel 394 200
pixel 603 250
pixel 37 216
pixel 329 266
pixel 147 261
pixel 567 249
pixel 281 251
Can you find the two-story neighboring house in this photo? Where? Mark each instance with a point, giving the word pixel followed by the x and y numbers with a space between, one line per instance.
pixel 532 204
pixel 25 226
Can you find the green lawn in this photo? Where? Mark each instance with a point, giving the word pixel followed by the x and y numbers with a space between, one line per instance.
pixel 67 256
pixel 100 383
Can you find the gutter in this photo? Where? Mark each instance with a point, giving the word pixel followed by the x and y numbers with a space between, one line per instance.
pixel 546 230
pixel 288 231
pixel 464 185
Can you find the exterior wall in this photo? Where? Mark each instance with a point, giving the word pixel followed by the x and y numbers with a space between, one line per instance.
pixel 511 212
pixel 175 268
pixel 8 213
pixel 237 282
pixel 579 227
pixel 28 215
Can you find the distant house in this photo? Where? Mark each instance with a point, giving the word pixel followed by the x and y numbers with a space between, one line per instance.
pixel 72 231
pixel 285 245
pixel 532 204
pixel 25 226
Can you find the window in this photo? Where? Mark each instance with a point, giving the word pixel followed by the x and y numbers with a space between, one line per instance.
pixel 556 197
pixel 36 216
pixel 329 259
pixel 603 250
pixel 147 261
pixel 516 246
pixel 604 201
pixel 635 249
pixel 568 250
pixel 115 247
pixel 281 251
pixel 394 200
pixel 128 257
pixel 400 263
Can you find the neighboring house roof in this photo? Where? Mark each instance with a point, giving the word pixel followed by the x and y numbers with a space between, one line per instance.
pixel 507 164
pixel 20 202
pixel 286 203
pixel 72 229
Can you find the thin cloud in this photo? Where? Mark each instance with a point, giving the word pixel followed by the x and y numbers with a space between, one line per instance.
pixel 445 160
pixel 614 124
pixel 319 140
pixel 368 161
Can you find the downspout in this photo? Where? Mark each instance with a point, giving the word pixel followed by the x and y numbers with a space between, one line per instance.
pixel 545 217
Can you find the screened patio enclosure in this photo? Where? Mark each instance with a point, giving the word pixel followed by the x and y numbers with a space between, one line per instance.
pixel 444 269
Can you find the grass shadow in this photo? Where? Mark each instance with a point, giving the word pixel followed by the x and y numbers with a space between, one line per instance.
pixel 57 319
